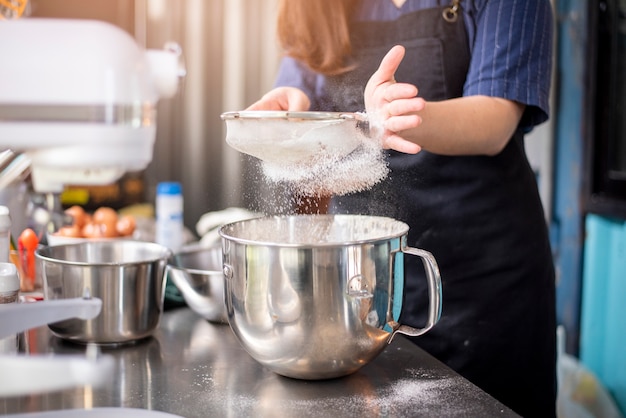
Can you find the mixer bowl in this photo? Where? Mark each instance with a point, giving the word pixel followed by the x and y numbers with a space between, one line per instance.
pixel 128 276
pixel 318 296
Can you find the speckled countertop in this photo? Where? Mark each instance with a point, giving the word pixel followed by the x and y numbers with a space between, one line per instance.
pixel 194 368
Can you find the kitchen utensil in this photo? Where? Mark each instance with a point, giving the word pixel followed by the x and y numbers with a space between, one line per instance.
pixel 129 277
pixel 17 170
pixel 286 138
pixel 16 197
pixel 32 374
pixel 98 412
pixel 27 244
pixel 318 296
pixel 6 157
pixel 28 375
pixel 18 317
pixel 12 9
pixel 197 273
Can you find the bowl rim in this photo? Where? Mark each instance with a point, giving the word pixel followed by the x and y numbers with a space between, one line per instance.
pixel 402 230
pixel 42 253
pixel 194 250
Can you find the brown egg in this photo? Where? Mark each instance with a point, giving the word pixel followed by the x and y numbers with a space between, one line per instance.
pixel 105 215
pixel 126 225
pixel 108 230
pixel 69 231
pixel 91 230
pixel 106 219
pixel 79 215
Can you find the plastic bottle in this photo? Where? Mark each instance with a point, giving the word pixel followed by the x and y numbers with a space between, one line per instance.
pixel 9 293
pixel 5 234
pixel 169 215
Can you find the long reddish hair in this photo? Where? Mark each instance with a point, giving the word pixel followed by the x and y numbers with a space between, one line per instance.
pixel 317 32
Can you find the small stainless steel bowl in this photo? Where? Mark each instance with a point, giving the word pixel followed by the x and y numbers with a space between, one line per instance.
pixel 197 273
pixel 128 276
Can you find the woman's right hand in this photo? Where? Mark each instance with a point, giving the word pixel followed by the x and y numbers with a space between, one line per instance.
pixel 283 98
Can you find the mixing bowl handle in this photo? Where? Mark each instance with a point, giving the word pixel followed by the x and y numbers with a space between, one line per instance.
pixel 434 293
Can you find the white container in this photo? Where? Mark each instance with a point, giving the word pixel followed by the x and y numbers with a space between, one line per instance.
pixel 5 234
pixel 9 293
pixel 169 215
pixel 16 197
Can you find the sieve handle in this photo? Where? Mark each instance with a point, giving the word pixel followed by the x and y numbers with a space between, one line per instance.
pixel 434 293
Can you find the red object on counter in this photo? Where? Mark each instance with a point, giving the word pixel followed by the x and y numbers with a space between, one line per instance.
pixel 27 244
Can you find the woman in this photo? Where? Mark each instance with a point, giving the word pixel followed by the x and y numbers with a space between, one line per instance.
pixel 459 175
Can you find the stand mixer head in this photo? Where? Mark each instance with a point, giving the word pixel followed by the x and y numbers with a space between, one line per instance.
pixel 79 98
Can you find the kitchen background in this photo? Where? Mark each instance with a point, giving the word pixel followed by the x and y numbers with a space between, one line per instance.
pixel 231 57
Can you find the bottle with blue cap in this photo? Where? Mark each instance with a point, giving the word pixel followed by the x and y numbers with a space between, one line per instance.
pixel 169 215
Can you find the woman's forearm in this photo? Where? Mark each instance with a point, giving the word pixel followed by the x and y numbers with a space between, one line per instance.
pixel 471 125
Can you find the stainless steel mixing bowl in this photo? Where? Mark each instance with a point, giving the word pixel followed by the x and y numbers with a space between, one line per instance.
pixel 128 276
pixel 318 296
pixel 197 273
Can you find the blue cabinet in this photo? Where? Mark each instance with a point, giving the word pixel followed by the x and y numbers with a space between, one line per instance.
pixel 603 306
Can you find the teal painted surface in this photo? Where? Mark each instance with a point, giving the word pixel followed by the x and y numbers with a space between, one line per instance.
pixel 603 308
pixel 566 225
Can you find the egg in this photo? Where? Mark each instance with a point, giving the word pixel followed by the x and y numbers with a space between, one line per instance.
pixel 106 220
pixel 108 230
pixel 73 231
pixel 104 215
pixel 91 230
pixel 126 225
pixel 78 214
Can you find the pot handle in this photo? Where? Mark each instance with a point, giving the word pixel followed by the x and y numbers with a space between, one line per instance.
pixel 434 294
pixel 19 317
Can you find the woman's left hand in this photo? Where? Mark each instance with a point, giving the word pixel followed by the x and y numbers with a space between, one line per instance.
pixel 392 106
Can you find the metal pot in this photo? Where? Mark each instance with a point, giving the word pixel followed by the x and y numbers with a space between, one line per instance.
pixel 197 273
pixel 318 296
pixel 128 276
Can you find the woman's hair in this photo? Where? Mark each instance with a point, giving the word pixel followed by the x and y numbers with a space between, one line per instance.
pixel 317 32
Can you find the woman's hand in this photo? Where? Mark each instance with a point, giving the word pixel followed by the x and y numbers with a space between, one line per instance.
pixel 283 98
pixel 391 107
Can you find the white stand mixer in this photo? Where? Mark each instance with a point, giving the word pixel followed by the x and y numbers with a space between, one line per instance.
pixel 78 99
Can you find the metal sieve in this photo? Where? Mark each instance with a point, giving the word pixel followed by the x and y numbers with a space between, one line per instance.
pixel 287 138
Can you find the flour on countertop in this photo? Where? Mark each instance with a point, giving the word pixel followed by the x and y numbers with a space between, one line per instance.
pixel 421 393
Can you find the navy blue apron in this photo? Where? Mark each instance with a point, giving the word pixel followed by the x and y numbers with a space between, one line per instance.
pixel 480 216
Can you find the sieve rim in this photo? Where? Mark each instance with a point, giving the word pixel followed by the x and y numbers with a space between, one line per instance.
pixel 308 115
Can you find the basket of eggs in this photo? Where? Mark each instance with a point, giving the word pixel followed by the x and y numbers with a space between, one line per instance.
pixel 103 223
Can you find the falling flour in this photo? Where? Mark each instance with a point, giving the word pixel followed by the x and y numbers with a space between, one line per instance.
pixel 328 174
